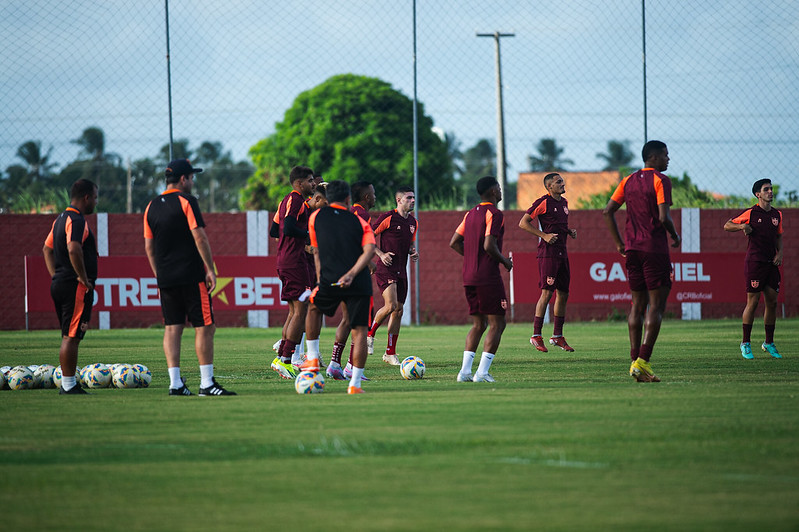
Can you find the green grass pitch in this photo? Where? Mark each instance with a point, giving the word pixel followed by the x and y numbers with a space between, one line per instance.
pixel 562 441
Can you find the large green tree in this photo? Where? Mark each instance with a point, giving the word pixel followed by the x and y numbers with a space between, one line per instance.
pixel 352 128
pixel 478 161
pixel 549 158
pixel 618 155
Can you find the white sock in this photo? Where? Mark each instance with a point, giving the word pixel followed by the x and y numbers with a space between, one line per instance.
pixel 67 383
pixel 300 349
pixel 313 348
pixel 357 373
pixel 468 360
pixel 485 363
pixel 174 378
pixel 206 376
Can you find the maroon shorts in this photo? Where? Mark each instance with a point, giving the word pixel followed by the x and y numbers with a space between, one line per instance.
pixel 487 299
pixel 384 280
pixel 295 281
pixel 554 273
pixel 759 275
pixel 648 271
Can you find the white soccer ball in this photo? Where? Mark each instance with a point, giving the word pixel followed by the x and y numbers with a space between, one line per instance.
pixel 309 382
pixel 412 368
pixel 43 376
pixel 20 378
pixel 98 376
pixel 83 374
pixel 124 376
pixel 145 375
pixel 57 375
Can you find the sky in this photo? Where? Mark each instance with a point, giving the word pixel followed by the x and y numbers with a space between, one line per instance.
pixel 722 78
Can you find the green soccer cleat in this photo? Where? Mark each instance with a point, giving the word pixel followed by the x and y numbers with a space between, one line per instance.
pixel 284 369
pixel 772 349
pixel 746 351
pixel 641 371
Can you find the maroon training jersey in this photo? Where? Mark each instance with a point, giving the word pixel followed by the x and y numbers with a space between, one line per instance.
pixel 71 226
pixel 479 268
pixel 397 235
pixel 643 191
pixel 291 249
pixel 362 212
pixel 554 218
pixel 766 226
pixel 169 220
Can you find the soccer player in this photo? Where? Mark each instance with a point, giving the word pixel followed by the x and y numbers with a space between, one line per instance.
pixel 647 193
pixel 180 257
pixel 397 230
pixel 70 253
pixel 363 196
pixel 554 276
pixel 291 228
pixel 762 224
pixel 344 245
pixel 479 239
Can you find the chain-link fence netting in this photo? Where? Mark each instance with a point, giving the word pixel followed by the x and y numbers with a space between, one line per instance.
pixel 85 93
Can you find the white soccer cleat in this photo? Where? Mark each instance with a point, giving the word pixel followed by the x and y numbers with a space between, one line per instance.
pixel 276 346
pixel 482 377
pixel 391 359
pixel 464 377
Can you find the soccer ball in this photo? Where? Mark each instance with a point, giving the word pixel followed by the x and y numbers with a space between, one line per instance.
pixel 3 382
pixel 309 382
pixel 412 368
pixel 20 378
pixel 145 375
pixel 57 377
pixel 43 376
pixel 83 374
pixel 124 376
pixel 98 376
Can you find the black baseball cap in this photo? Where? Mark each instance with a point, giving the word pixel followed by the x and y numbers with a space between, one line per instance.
pixel 180 167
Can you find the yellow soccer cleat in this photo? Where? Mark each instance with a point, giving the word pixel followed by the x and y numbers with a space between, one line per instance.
pixel 641 371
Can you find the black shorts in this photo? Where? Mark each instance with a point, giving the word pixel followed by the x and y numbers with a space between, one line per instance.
pixel 73 305
pixel 328 299
pixel 190 301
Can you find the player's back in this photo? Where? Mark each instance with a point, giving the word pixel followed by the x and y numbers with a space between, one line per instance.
pixel 479 268
pixel 291 249
pixel 643 191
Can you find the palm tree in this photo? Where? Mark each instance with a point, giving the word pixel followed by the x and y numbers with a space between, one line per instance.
pixel 617 156
pixel 39 165
pixel 92 140
pixel 453 146
pixel 549 159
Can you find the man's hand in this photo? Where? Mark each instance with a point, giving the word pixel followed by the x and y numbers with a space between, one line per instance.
pixel 620 249
pixel 550 238
pixel 210 280
pixel 747 229
pixel 414 254
pixel 386 258
pixel 508 263
pixel 573 233
pixel 676 241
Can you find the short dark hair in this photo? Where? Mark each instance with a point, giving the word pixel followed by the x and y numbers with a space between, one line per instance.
pixel 299 172
pixel 320 189
pixel 550 177
pixel 81 188
pixel 759 185
pixel 403 189
pixel 651 148
pixel 484 184
pixel 337 191
pixel 359 189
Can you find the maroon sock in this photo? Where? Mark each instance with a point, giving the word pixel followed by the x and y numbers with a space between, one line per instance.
pixel 391 347
pixel 374 328
pixel 769 334
pixel 634 353
pixel 286 350
pixel 747 327
pixel 645 352
pixel 558 325
pixel 538 324
pixel 338 348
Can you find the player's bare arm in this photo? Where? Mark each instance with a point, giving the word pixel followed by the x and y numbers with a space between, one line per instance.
pixel 733 227
pixel 149 249
pixel 491 247
pixel 413 254
pixel 204 248
pixel 527 224
pixel 664 214
pixel 778 256
pixel 49 259
pixel 609 213
pixel 75 250
pixel 456 243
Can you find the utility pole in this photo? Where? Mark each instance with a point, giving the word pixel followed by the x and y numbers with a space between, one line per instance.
pixel 501 166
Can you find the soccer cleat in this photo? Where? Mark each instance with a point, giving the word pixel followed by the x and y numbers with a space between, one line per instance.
pixel 214 389
pixel 641 371
pixel 276 346
pixel 560 341
pixel 538 343
pixel 297 359
pixel 464 377
pixel 347 371
pixel 746 351
pixel 370 345
pixel 310 364
pixel 285 369
pixel 482 377
pixel 391 359
pixel 274 363
pixel 335 372
pixel 183 390
pixel 771 349
pixel 75 390
pixel 352 390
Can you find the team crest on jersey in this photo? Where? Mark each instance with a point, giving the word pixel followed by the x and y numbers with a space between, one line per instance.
pixel 775 222
pixel 565 210
pixel 550 280
pixel 504 304
pixel 754 283
pixel 412 229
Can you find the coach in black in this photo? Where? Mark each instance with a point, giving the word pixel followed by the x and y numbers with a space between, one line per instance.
pixel 70 252
pixel 180 256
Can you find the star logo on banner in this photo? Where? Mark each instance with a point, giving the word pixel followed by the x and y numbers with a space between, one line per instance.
pixel 221 283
